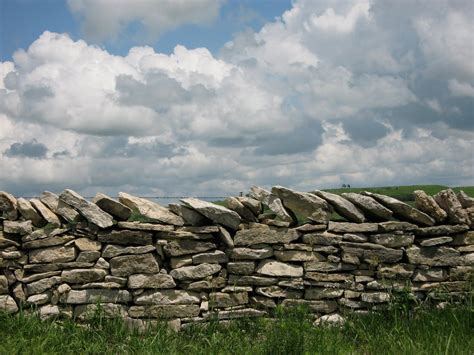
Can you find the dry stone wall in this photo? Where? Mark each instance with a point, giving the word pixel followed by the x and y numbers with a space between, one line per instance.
pixel 64 256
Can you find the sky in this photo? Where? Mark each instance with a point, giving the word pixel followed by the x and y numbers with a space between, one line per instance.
pixel 209 97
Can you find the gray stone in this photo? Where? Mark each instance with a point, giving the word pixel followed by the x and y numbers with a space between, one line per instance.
pixel 112 251
pixel 250 253
pixel 370 206
pixel 189 215
pixel 52 255
pixel 223 300
pixel 402 209
pixel 224 235
pixel 302 203
pixel 126 237
pixel 430 242
pixel 277 268
pixel 426 203
pixel 234 204
pixel 398 271
pixel 151 281
pixel 318 306
pixel 212 257
pixel 3 285
pixel 62 209
pixel 260 194
pixel 38 299
pixel 77 276
pixel 252 204
pixel 433 274
pixel 330 320
pixel 88 256
pixel 393 240
pixel 241 268
pixel 8 206
pixel 262 302
pixel 342 206
pixel 278 292
pixel 218 214
pixel 180 234
pixel 184 247
pixel 322 293
pixel 102 264
pixel 442 230
pixel 325 277
pixel 264 234
pixel 465 200
pixel 45 212
pixel 346 227
pixel 86 244
pixel 89 210
pixel 181 261
pixel 393 226
pixel 276 205
pixel 239 280
pixel 448 201
pixel 434 256
pixel 324 238
pixel 310 228
pixel 17 227
pixel 5 242
pixel 326 266
pixel 150 227
pixel 167 297
pixel 29 212
pixel 297 255
pixel 200 229
pixel 238 313
pixel 8 304
pixel 49 312
pixel 133 264
pixel 47 242
pixel 165 312
pixel 195 272
pixel 107 310
pixel 111 206
pixel 42 285
pixel 94 296
pixel 151 210
pixel 372 253
pixel 207 284
pixel 375 297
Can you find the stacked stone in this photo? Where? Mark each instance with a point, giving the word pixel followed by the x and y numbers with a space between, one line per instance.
pixel 197 261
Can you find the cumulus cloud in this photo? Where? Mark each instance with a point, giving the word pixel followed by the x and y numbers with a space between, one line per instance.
pixel 106 19
pixel 331 92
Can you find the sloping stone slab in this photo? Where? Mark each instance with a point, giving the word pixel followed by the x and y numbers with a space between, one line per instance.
pixel 111 206
pixel 150 210
pixel 370 206
pixel 277 268
pixel 89 210
pixel 427 204
pixel 252 204
pixel 466 200
pixel 8 206
pixel 77 276
pixel 264 234
pixel 218 214
pixel 372 253
pixel 190 216
pixel 260 194
pixel 62 209
pixel 342 206
pixel 402 210
pixel 234 204
pixel 448 201
pixel 45 212
pixel 393 240
pixel 29 212
pixel 276 205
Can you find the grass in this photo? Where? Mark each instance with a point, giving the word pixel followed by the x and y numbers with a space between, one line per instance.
pixel 447 331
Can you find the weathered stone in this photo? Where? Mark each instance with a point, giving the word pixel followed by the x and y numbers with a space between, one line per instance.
pixel 326 266
pixel 324 238
pixel 441 230
pixel 393 226
pixel 85 244
pixel 262 302
pixel 369 205
pixel 126 237
pixel 393 240
pixel 298 255
pixel 151 281
pixel 250 253
pixel 275 204
pixel 234 204
pixel 82 275
pixel 465 200
pixel 42 285
pixel 38 299
pixel 346 227
pixel 372 253
pixel 460 273
pixel 101 263
pixel 17 227
pixel 278 292
pixel 302 203
pixel 181 261
pixel 3 285
pixel 463 239
pixel 325 277
pixel 133 264
pixel 277 268
pixel 398 271
pixel 150 227
pixel 352 304
pixel 107 310
pixel 238 313
pixel 212 257
pixel 206 285
pixel 8 206
pixel 218 214
pixel 427 204
pixel 151 210
pixel 433 256
pixel 44 233
pixel 275 223
pixel 375 297
pixel 179 234
pixel 330 320
pixel 238 280
pixel 241 268
pixel 49 312
pixel 167 297
pixel 309 228
pixel 403 210
pixel 8 304
pixel 432 274
pixel 293 246
pixel 260 194
pixel 252 204
pixel 112 251
pixel 111 206
pixel 183 247
pixel 165 312
pixel 95 296
pixel 190 216
pixel 322 293
pixel 355 237
pixel 430 242
pixel 264 234
pixel 47 242
pixel 342 206
pixel 321 306
pixel 200 229
pixel 62 209
pixel 52 255
pixel 45 212
pixel 448 201
pixel 88 256
pixel 29 212
pixel 5 242
pixel 225 237
pixel 222 300
pixel 195 272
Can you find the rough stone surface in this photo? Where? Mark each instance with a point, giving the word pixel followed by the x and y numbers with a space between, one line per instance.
pixel 213 257
pixel 260 194
pixel 77 276
pixel 52 255
pixel 264 234
pixel 252 204
pixel 276 205
pixel 17 227
pixel 133 264
pixel 195 272
pixel 126 237
pixel 184 247
pixel 8 304
pixel 435 241
pixel 111 206
pixel 89 210
pixel 301 203
pixel 441 230
pixel 94 296
pixel 393 240
pixel 346 227
pixel 62 209
pixel 167 297
pixel 165 312
pixel 8 206
pixel 223 300
pixel 151 210
pixel 433 256
pixel 250 253
pixel 368 205
pixel 190 216
pixel 29 212
pixel 448 201
pixel 342 206
pixel 151 281
pixel 277 268
pixel 427 204
pixel 234 204
pixel 465 200
pixel 216 213
pixel 112 251
pixel 45 212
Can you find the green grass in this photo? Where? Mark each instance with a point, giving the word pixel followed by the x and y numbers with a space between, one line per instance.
pixel 447 331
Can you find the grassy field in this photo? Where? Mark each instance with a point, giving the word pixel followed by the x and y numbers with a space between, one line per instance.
pixel 448 331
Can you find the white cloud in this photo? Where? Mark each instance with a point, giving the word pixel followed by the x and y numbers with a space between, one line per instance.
pixel 105 19
pixel 461 89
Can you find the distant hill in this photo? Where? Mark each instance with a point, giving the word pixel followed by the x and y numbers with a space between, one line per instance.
pixel 404 193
